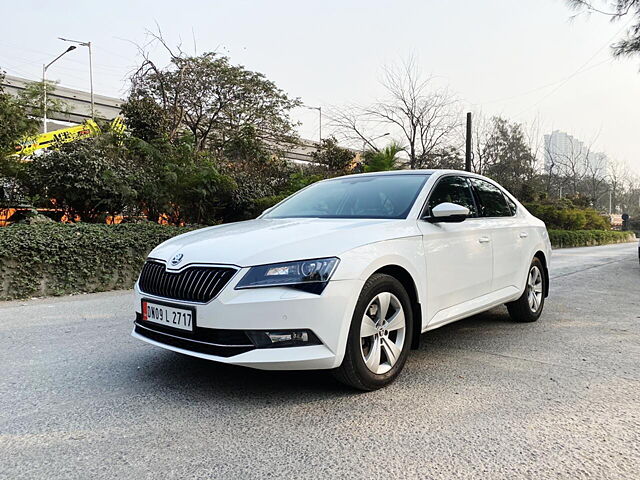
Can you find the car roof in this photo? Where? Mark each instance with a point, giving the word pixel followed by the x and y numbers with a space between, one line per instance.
pixel 430 171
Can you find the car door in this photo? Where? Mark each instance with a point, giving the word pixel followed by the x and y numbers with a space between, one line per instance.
pixel 507 231
pixel 458 255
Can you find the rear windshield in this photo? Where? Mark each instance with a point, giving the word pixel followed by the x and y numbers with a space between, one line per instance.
pixel 379 196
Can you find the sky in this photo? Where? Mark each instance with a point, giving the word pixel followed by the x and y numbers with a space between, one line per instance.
pixel 526 60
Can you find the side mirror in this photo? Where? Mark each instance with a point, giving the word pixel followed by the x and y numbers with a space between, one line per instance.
pixel 448 212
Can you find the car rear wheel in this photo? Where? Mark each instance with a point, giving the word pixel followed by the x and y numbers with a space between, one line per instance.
pixel 379 336
pixel 528 307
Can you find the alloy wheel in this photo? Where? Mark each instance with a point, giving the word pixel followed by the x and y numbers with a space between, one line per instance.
pixel 534 288
pixel 382 333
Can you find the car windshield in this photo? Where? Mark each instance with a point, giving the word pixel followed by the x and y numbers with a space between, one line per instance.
pixel 376 196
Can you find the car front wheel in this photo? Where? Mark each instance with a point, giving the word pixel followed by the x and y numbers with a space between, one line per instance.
pixel 379 336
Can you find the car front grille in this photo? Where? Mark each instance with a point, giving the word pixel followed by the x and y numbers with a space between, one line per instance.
pixel 193 284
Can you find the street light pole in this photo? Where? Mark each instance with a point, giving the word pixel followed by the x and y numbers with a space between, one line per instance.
pixel 364 142
pixel 88 45
pixel 320 120
pixel 44 86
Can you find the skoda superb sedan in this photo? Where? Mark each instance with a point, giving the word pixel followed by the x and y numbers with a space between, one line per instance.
pixel 346 274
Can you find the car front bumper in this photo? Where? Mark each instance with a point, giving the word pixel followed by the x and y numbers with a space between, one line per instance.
pixel 327 315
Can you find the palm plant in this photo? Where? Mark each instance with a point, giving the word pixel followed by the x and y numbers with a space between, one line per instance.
pixel 383 160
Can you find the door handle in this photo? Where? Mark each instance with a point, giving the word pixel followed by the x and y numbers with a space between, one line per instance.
pixel 484 239
pixel 524 234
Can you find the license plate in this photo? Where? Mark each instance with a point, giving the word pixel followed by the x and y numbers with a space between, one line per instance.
pixel 168 315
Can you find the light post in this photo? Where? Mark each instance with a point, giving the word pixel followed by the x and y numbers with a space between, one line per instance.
pixel 320 120
pixel 88 45
pixel 364 142
pixel 44 85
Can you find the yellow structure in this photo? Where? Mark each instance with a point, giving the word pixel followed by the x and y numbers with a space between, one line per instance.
pixel 65 135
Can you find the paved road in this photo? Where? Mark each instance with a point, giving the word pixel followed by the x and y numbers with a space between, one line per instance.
pixel 483 398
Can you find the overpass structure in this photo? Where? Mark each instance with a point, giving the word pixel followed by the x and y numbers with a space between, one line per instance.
pixel 79 105
pixel 78 102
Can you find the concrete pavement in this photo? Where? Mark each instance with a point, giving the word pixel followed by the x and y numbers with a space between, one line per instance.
pixel 482 398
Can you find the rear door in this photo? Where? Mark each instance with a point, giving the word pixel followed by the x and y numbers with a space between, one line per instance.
pixel 508 234
pixel 458 255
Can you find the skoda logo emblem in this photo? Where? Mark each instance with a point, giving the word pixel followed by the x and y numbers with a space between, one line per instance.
pixel 176 259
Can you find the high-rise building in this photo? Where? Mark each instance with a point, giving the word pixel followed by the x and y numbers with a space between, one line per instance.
pixel 562 149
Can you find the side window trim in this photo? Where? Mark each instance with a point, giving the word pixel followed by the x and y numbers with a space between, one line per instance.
pixel 425 207
pixel 510 203
pixel 479 206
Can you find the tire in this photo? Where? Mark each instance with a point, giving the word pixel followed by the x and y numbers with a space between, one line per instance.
pixel 378 344
pixel 528 307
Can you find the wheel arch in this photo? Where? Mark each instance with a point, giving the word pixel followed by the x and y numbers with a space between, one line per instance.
pixel 543 259
pixel 409 284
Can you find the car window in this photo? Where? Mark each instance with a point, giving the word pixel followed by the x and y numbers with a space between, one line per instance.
pixel 454 190
pixel 374 196
pixel 493 202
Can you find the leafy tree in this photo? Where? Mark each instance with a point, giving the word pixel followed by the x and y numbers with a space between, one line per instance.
pixel 176 183
pixel 630 44
pixel 255 180
pixel 209 98
pixel 15 123
pixel 383 160
pixel 332 156
pixel 31 99
pixel 89 179
pixel 145 119
pixel 509 159
pixel 447 158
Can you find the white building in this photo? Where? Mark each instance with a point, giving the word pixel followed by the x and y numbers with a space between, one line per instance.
pixel 562 149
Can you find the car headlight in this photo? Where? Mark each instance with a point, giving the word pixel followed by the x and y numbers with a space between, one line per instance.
pixel 309 275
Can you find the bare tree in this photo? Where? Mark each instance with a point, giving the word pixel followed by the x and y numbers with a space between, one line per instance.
pixel 423 116
pixel 351 126
pixel 571 163
pixel 618 175
pixel 595 173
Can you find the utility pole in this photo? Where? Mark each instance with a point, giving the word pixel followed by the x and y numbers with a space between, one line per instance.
pixel 88 45
pixel 44 86
pixel 467 156
pixel 610 202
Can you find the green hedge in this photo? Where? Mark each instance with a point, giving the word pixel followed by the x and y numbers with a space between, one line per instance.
pixel 58 259
pixel 588 238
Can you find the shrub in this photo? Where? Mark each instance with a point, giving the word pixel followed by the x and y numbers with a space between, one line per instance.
pixel 564 216
pixel 89 179
pixel 58 259
pixel 588 238
pixel 335 158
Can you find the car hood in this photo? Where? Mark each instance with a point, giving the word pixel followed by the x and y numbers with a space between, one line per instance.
pixel 261 241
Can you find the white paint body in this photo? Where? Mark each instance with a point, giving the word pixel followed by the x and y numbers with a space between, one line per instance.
pixel 459 269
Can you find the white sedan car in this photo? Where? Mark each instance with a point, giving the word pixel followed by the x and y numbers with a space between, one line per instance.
pixel 346 274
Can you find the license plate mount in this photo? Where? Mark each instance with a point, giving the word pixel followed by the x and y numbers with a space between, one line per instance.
pixel 171 315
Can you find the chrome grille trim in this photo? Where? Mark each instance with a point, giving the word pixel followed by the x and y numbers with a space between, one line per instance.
pixel 195 283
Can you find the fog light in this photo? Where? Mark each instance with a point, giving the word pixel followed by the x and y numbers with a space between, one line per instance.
pixel 276 337
pixel 282 338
